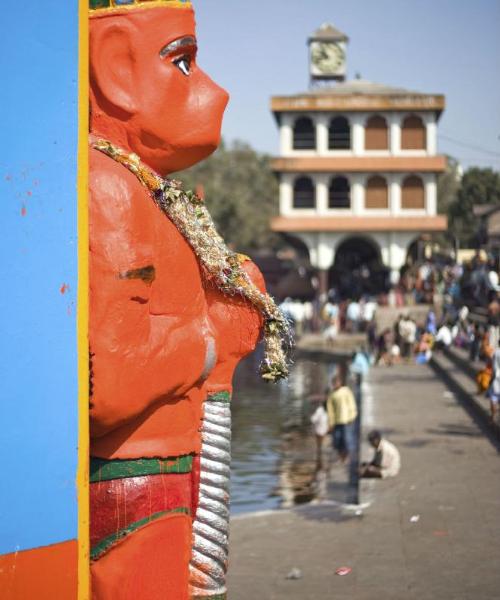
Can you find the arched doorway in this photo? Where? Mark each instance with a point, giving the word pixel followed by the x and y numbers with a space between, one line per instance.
pixel 358 269
pixel 287 269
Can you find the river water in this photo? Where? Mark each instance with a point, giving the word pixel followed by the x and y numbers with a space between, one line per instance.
pixel 273 446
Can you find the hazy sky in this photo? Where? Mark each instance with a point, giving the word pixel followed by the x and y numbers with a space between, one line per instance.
pixel 257 49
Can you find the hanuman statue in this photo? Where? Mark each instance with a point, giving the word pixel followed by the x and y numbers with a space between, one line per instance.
pixel 172 312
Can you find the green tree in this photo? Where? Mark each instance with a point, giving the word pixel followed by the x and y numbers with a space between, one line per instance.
pixel 448 184
pixel 479 186
pixel 241 193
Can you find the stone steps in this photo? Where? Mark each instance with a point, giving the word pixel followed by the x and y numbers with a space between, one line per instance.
pixel 386 316
pixel 458 373
pixel 461 359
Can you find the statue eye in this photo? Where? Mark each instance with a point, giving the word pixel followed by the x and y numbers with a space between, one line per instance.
pixel 183 63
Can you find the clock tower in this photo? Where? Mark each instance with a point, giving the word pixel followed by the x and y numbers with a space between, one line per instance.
pixel 327 55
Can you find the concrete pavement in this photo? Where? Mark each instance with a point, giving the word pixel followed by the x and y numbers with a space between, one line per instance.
pixel 449 484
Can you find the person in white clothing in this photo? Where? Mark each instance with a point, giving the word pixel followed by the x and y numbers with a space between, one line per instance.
pixel 386 461
pixel 444 337
pixel 321 426
pixel 408 333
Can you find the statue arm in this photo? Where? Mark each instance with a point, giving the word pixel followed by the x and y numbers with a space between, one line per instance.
pixel 238 326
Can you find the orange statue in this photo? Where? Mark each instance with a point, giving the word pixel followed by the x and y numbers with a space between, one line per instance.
pixel 172 312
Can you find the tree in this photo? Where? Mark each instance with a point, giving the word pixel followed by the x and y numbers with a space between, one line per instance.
pixel 241 193
pixel 479 186
pixel 448 184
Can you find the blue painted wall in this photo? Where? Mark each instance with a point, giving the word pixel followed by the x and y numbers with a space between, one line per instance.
pixel 38 249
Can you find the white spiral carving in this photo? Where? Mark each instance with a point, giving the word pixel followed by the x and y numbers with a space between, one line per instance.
pixel 209 556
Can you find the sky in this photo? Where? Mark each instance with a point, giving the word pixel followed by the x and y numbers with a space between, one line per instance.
pixel 258 49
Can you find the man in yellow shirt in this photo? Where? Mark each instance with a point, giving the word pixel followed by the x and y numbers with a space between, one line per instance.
pixel 342 413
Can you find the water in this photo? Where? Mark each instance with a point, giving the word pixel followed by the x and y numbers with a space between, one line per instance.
pixel 273 449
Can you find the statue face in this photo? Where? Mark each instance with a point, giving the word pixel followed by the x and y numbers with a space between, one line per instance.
pixel 145 75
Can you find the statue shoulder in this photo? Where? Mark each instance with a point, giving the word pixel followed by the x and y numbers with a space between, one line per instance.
pixel 114 192
pixel 109 179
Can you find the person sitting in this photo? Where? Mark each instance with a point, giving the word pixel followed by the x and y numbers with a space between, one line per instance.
pixel 386 461
pixel 444 337
pixel 483 378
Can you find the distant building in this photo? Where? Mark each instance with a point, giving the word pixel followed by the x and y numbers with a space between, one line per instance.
pixel 488 233
pixel 358 168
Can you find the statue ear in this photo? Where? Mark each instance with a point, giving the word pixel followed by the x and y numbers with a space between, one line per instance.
pixel 113 63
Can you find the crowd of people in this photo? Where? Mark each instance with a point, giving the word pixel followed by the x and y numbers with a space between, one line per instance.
pixel 428 282
pixel 350 316
pixel 464 312
pixel 300 314
pixel 445 285
pixel 476 334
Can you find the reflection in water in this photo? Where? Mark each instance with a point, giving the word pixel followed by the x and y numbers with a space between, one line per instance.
pixel 274 454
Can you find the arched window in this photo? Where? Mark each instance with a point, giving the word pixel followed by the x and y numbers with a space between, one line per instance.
pixel 304 134
pixel 413 134
pixel 376 134
pixel 377 193
pixel 339 134
pixel 413 193
pixel 304 193
pixel 339 193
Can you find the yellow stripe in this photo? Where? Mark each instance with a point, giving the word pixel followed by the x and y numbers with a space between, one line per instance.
pixel 113 10
pixel 83 306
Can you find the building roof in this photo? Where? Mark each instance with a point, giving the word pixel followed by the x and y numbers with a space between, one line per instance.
pixel 358 95
pixel 328 32
pixel 484 210
pixel 494 224
pixel 363 86
pixel 490 214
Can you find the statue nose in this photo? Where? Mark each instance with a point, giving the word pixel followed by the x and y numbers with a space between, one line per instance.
pixel 221 99
pixel 224 95
pixel 215 93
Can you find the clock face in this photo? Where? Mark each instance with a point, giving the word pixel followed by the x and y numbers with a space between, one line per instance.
pixel 327 58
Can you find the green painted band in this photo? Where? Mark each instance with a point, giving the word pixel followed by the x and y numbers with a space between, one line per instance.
pixel 105 470
pixel 218 597
pixel 99 4
pixel 99 549
pixel 220 397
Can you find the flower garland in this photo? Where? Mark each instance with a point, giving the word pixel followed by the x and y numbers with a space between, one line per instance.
pixel 189 214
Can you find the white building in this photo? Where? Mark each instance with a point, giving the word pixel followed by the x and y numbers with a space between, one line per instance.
pixel 358 165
